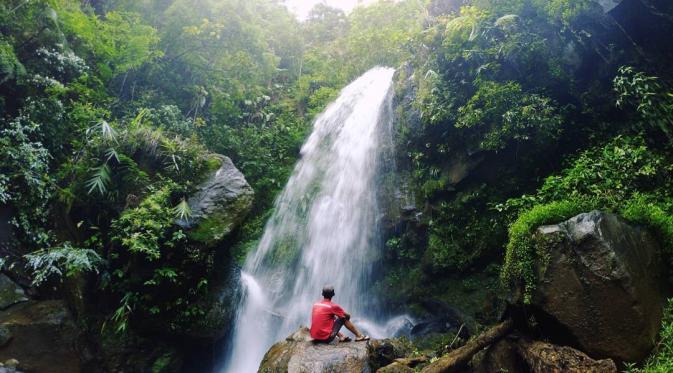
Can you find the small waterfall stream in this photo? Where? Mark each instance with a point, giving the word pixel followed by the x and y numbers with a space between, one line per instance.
pixel 323 229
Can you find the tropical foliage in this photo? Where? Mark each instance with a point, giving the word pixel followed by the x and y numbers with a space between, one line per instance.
pixel 510 115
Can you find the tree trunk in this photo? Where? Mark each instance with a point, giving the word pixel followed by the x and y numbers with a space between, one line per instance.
pixel 457 359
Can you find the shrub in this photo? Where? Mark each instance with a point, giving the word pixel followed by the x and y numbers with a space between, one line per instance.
pixel 10 66
pixel 463 231
pixel 24 180
pixel 154 270
pixel 611 173
pixel 503 113
pixel 647 95
pixel 147 228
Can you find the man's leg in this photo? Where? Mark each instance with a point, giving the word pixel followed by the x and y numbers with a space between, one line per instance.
pixel 350 326
pixel 338 323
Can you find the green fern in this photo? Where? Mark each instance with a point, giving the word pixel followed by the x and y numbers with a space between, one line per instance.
pixel 59 262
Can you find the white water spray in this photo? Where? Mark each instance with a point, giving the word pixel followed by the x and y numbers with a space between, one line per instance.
pixel 323 229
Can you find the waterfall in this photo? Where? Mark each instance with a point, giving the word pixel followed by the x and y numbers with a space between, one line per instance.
pixel 323 229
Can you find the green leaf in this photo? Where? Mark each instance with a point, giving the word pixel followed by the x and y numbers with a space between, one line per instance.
pixel 100 180
pixel 182 210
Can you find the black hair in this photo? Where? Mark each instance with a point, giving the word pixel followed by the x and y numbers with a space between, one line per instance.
pixel 328 292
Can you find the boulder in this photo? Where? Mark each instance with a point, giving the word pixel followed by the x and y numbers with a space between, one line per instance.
pixel 219 204
pixel 43 337
pixel 130 352
pixel 520 354
pixel 441 318
pixel 601 286
pixel 384 352
pixel 10 366
pixel 299 354
pixel 5 335
pixel 543 357
pixel 501 356
pixel 10 293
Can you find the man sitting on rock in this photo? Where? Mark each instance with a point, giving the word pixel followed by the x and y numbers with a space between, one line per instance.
pixel 327 318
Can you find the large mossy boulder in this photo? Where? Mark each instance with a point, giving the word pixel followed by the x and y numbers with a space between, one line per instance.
pixel 298 353
pixel 600 286
pixel 219 204
pixel 43 337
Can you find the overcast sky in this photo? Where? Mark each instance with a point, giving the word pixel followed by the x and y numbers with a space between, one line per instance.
pixel 302 7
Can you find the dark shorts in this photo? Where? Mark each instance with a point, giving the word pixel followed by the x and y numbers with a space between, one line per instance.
pixel 338 323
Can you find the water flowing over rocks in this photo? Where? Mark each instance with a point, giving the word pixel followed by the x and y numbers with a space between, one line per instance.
pixel 219 205
pixel 600 286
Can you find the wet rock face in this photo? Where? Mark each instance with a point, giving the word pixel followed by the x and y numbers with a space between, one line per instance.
pixel 10 293
pixel 299 354
pixel 219 205
pixel 601 285
pixel 221 304
pixel 42 337
pixel 608 5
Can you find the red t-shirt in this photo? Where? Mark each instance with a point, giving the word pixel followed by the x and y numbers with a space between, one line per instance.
pixel 322 318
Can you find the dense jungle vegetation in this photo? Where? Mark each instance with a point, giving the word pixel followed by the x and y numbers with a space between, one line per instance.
pixel 510 115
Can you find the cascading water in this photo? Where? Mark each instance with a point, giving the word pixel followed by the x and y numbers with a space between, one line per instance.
pixel 324 226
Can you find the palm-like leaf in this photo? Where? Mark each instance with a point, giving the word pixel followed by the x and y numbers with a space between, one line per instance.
pixel 104 130
pixel 138 120
pixel 171 149
pixel 112 153
pixel 182 210
pixel 107 132
pixel 100 180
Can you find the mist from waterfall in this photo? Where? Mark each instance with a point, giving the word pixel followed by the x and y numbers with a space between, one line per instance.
pixel 323 229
